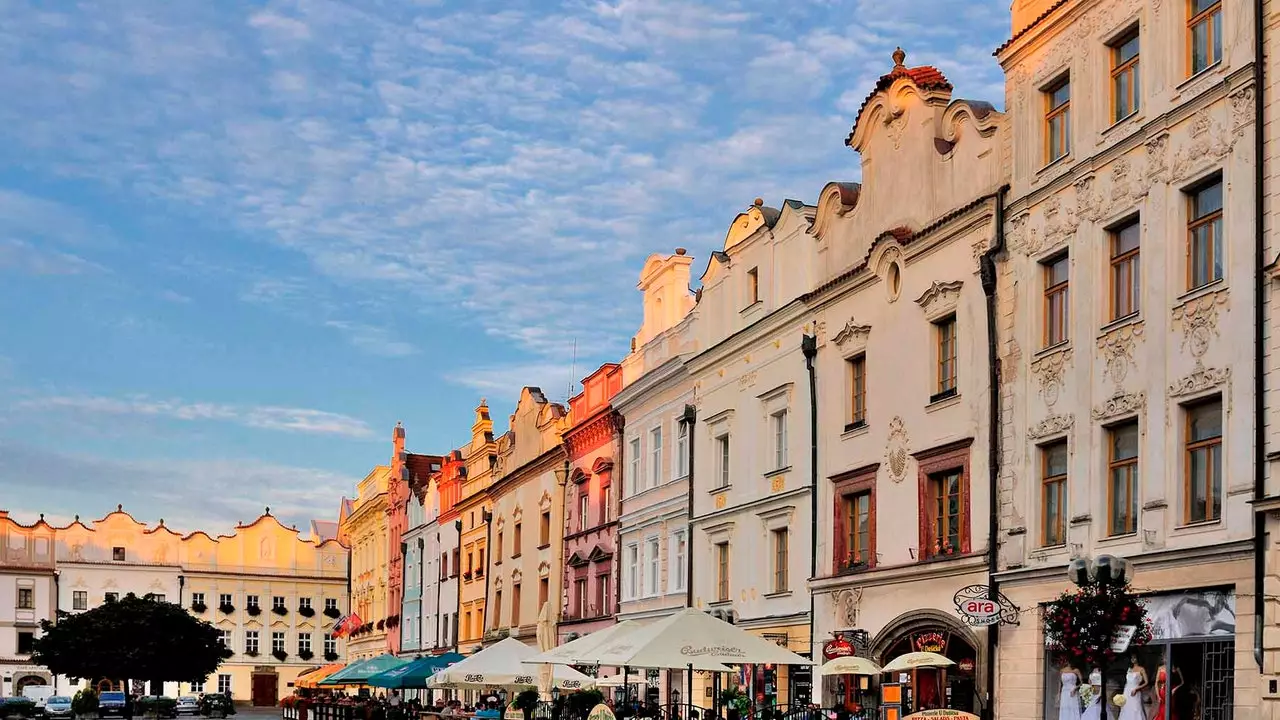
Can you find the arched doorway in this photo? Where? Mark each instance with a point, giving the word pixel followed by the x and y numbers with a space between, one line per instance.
pixel 26 681
pixel 105 685
pixel 953 687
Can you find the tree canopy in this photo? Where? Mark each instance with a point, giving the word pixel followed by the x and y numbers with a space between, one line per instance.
pixel 131 638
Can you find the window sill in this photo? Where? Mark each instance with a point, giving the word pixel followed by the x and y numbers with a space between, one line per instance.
pixel 1051 349
pixel 1118 539
pixel 936 403
pixel 855 429
pixel 1201 291
pixel 1054 165
pixel 1116 324
pixel 1133 118
pixel 1198 527
pixel 778 594
pixel 515 556
pixel 727 602
pixel 1191 80
pixel 853 569
pixel 779 471
pixel 722 488
pixel 544 546
pixel 750 307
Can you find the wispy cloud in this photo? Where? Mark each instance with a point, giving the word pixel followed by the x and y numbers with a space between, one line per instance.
pixel 265 417
pixel 23 257
pixel 372 340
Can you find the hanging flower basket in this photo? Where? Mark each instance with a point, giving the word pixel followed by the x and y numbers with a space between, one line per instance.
pixel 1080 625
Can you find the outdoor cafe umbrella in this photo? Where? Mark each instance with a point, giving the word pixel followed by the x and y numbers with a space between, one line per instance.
pixel 690 636
pixel 414 674
pixel 311 677
pixel 508 663
pixel 850 665
pixel 357 673
pixel 913 660
pixel 583 650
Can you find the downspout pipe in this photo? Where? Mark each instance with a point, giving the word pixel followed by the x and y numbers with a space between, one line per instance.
pixel 1259 336
pixel 987 270
pixel 457 572
pixel 487 517
pixel 690 419
pixel 809 348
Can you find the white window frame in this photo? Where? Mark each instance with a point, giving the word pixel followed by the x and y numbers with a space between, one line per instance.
pixel 631 565
pixel 724 460
pixel 676 568
pixel 652 566
pixel 304 642
pixel 682 449
pixel 633 477
pixel 277 641
pixel 330 644
pixel 251 636
pixel 224 684
pixel 778 430
pixel 655 456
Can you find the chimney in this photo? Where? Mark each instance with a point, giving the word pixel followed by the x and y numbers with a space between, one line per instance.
pixel 397 450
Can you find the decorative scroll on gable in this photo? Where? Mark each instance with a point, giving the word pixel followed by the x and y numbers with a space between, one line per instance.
pixel 852 335
pixel 940 299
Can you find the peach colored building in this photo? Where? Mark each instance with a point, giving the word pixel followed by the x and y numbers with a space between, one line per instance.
pixel 28 595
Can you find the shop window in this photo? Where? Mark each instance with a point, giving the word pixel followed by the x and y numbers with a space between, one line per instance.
pixel 931 688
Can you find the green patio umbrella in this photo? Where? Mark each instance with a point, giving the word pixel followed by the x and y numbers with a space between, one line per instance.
pixel 359 672
pixel 414 674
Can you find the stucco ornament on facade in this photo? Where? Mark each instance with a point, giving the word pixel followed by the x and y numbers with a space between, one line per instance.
pixel 1200 380
pixel 852 332
pixel 1242 109
pixel 1117 350
pixel 1052 425
pixel 1120 404
pixel 1050 370
pixel 896 453
pixel 846 606
pixel 1207 143
pixel 940 298
pixel 1198 321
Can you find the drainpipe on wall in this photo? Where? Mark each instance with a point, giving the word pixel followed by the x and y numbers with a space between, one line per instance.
pixel 690 419
pixel 620 425
pixel 487 517
pixel 809 348
pixel 1259 337
pixel 457 613
pixel 404 586
pixel 987 270
pixel 57 603
pixel 439 588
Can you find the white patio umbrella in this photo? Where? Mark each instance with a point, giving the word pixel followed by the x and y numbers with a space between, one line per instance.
pixel 850 665
pixel 506 664
pixel 691 637
pixel 584 650
pixel 913 660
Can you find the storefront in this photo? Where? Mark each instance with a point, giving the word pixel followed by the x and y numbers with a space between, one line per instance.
pixel 769 685
pixel 929 688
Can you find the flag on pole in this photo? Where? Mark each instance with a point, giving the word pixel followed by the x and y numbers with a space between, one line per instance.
pixel 346 624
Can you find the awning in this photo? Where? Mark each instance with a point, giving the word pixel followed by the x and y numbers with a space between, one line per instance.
pixel 311 677
pixel 415 673
pixel 359 672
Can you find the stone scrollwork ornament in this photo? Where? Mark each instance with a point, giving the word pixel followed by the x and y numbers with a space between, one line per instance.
pixel 896 454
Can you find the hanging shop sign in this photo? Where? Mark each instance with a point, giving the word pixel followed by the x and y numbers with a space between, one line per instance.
pixel 965 665
pixel 837 648
pixel 976 606
pixel 933 642
pixel 941 714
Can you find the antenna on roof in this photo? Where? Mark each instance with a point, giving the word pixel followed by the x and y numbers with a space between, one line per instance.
pixel 573 370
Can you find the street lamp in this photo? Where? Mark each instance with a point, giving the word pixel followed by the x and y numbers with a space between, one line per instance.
pixel 1102 570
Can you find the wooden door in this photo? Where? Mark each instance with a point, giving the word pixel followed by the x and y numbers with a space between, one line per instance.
pixel 265 689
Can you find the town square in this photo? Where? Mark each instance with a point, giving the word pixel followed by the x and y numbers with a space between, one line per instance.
pixel 640 359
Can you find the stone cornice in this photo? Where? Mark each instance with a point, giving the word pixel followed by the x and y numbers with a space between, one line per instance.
pixel 650 382
pixel 757 332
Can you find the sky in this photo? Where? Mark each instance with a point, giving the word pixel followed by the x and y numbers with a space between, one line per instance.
pixel 240 241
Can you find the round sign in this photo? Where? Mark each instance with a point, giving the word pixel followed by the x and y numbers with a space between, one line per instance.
pixel 837 648
pixel 980 609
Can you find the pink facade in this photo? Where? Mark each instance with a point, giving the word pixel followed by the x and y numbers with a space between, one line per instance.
pixel 590 599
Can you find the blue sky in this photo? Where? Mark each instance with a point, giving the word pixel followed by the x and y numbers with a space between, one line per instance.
pixel 239 241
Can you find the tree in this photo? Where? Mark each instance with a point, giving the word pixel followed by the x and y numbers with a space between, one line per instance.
pixel 131 638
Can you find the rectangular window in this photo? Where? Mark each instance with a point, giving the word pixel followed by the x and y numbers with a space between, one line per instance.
pixel 1202 496
pixel 584 507
pixel 26 598
pixel 480 566
pixel 722 572
pixel 857 523
pixel 251 642
pixel 305 603
pixel 515 605
pixel 946 331
pixel 497 549
pixel 655 457
pixel 1204 34
pixel 653 563
pixel 197 687
pixel 111 596
pixel 26 643
pixel 224 637
pixel 722 461
pixel 606 503
pixel 1053 494
pixel 304 642
pixel 779 422
pixel 251 601
pixel 117 554
pixel 1126 87
pixel 1205 241
pixel 331 644
pixel 224 599
pixel 679 559
pixel 1126 272
pixel 947 510
pixel 633 571
pixel 224 684
pixel 604 601
pixel 158 597
pixel 779 560
pixel 544 529
pixel 580 598
pixel 858 392
pixel 1057 120
pixel 466 624
pixel 332 603
pixel 1057 273
pixel 633 482
pixel 1122 479
pixel 80 600
pixel 682 449
pixel 753 286
pixel 517 538
pixel 277 642
pixel 277 601
pixel 544 591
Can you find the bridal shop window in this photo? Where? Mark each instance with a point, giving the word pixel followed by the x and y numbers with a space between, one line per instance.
pixel 1187 671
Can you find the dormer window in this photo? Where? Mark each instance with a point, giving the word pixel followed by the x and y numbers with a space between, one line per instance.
pixel 117 554
pixel 753 286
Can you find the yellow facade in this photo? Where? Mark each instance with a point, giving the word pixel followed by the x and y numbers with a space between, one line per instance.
pixel 473 515
pixel 363 525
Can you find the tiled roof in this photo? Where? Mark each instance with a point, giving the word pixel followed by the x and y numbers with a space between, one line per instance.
pixel 925 77
pixel 1047 11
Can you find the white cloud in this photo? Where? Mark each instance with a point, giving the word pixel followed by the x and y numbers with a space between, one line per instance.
pixel 372 340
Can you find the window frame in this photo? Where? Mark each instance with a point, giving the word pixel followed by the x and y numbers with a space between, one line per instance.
pixel 80 600
pixel 544 531
pixel 584 508
pixel 1052 291
pixel 1059 488
pixel 1130 67
pixel 1127 262
pixel 1217 246
pixel 119 554
pixel 1213 445
pixel 723 567
pixel 633 483
pixel 778 431
pixel 1052 113
pixel 857 391
pixel 655 456
pixel 1132 467
pixel 682 448
pixel 678 562
pixel 724 461
pixel 1212 16
pixel 947 334
pixel 779 543
pixel 652 575
pixel 930 463
pixel 753 286
pixel 846 488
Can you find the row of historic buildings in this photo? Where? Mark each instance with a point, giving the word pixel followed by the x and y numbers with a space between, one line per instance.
pixel 274 593
pixel 1023 337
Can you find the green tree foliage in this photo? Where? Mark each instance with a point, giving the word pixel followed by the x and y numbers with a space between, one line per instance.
pixel 131 637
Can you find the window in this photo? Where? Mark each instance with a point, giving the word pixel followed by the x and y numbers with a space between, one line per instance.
pixel 544 591
pixel 196 598
pixel 779 538
pixel 722 472
pixel 331 644
pixel 604 601
pixel 544 530
pixel 946 330
pixel 277 601
pixel 1053 494
pixel 679 560
pixel 224 684
pixel 305 603
pixel 224 599
pixel 224 637
pixel 857 528
pixel 1204 34
pixel 26 643
pixel 1126 272
pixel 606 503
pixel 753 286
pixel 633 482
pixel 580 598
pixel 251 642
pixel 1204 235
pixel 1122 479
pixel 1057 120
pixel 497 551
pixel 1056 311
pixel 277 642
pixel 496 615
pixel 332 603
pixel 197 687
pixel 584 507
pixel 466 623
pixel 457 564
pixel 515 605
pixel 111 596
pixel 117 554
pixel 516 542
pixel 722 572
pixel 1126 88
pixel 26 598
pixel 480 566
pixel 158 597
pixel 946 508
pixel 633 571
pixel 682 449
pixel 304 642
pixel 1203 491
pixel 653 562
pixel 858 392
pixel 779 422
pixel 80 600
pixel 251 601
pixel 655 457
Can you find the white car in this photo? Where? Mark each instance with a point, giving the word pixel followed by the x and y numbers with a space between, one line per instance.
pixel 188 705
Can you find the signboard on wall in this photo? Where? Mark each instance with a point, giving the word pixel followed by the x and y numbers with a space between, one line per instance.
pixel 943 714
pixel 837 648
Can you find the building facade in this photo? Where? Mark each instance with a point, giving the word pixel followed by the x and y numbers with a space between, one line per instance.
pixel 448 530
pixel 420 545
pixel 527 536
pixel 473 524
pixel 28 595
pixel 657 391
pixel 364 527
pixel 752 516
pixel 1127 321
pixel 589 600
pixel 902 374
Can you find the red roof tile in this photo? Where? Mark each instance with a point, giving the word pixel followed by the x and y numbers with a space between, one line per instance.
pixel 925 77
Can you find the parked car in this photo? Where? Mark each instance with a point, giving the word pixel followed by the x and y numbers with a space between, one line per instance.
pixel 38 694
pixel 19 707
pixel 188 705
pixel 58 706
pixel 157 706
pixel 111 703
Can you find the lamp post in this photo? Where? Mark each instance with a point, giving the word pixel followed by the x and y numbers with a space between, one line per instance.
pixel 1106 570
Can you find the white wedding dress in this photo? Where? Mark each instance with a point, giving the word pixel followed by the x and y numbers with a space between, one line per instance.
pixel 1068 698
pixel 1094 709
pixel 1132 708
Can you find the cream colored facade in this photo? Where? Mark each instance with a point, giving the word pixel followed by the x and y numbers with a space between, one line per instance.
pixel 902 376
pixel 1137 378
pixel 526 565
pixel 28 595
pixel 365 529
pixel 480 459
